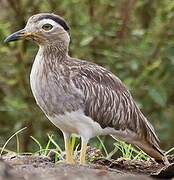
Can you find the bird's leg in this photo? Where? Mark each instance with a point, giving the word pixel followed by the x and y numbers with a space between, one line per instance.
pixel 83 150
pixel 68 149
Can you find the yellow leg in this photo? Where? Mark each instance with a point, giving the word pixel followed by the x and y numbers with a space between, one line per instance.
pixel 83 151
pixel 68 149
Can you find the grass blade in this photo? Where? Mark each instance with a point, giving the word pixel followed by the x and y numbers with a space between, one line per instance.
pixel 73 142
pixel 169 151
pixel 48 145
pixel 17 144
pixel 8 140
pixel 103 146
pixel 8 151
pixel 112 153
pixel 37 142
pixel 57 146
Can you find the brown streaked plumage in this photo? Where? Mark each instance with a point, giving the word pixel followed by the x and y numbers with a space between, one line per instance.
pixel 81 97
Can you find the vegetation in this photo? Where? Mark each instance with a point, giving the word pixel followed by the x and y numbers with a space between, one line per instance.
pixel 133 39
pixel 56 153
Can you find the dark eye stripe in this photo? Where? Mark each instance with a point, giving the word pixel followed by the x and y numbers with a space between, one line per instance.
pixel 57 19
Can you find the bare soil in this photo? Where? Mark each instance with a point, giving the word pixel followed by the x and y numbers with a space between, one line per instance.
pixel 39 167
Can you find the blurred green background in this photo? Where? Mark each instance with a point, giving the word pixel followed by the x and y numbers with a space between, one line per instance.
pixel 132 38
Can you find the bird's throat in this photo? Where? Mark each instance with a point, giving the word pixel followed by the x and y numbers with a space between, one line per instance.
pixel 54 52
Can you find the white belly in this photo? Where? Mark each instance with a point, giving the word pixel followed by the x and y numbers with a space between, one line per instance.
pixel 77 122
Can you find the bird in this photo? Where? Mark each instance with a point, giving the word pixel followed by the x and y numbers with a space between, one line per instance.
pixel 81 97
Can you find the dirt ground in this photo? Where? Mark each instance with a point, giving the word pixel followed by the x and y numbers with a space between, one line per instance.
pixel 39 167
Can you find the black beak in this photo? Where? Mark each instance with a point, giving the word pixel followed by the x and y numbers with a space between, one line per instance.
pixel 16 36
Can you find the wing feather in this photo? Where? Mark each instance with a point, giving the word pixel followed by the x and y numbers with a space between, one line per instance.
pixel 108 102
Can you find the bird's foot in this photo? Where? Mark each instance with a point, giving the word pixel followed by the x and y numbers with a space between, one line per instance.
pixel 70 160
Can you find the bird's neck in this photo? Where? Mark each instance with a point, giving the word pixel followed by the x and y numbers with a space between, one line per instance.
pixel 54 52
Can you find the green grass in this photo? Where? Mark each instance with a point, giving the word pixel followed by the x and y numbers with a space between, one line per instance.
pixel 127 151
pixel 9 139
pixel 52 145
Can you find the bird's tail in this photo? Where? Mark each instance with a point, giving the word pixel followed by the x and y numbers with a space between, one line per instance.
pixel 149 141
pixel 144 137
pixel 151 150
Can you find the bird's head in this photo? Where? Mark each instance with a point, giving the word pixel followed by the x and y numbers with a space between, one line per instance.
pixel 43 29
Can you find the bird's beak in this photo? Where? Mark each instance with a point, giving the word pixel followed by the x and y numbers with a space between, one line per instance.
pixel 21 34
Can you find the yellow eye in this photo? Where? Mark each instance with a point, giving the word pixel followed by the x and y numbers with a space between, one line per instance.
pixel 47 27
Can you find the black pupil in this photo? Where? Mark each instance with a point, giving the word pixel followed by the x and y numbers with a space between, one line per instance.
pixel 47 26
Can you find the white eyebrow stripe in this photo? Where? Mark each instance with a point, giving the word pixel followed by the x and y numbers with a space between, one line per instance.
pixel 49 21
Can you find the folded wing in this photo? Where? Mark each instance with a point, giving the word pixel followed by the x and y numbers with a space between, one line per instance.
pixel 108 102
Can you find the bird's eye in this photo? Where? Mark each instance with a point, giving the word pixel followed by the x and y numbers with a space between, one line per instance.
pixel 47 27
